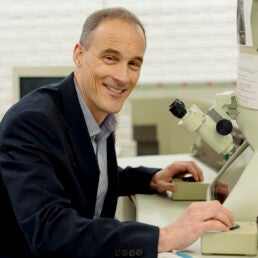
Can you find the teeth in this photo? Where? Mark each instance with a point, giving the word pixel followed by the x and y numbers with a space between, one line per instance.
pixel 114 90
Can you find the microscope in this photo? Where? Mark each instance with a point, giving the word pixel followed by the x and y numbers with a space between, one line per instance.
pixel 236 184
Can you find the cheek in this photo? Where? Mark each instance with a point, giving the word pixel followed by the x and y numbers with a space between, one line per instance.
pixel 130 90
pixel 92 76
pixel 96 79
pixel 136 77
pixel 95 66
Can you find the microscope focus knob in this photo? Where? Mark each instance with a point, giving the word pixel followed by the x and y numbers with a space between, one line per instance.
pixel 177 108
pixel 224 127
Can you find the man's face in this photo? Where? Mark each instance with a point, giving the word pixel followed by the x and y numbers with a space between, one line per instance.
pixel 109 69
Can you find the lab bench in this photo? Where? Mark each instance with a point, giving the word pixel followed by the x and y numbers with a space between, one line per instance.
pixel 161 210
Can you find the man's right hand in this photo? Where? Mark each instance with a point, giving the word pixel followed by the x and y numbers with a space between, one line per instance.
pixel 196 220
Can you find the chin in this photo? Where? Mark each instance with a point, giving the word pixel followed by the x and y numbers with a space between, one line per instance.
pixel 114 110
pixel 114 107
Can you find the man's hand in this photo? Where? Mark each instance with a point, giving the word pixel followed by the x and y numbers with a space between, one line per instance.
pixel 163 180
pixel 197 219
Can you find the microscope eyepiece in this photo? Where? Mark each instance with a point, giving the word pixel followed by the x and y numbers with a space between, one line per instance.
pixel 177 108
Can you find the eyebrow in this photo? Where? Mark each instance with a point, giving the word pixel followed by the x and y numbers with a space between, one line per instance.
pixel 113 51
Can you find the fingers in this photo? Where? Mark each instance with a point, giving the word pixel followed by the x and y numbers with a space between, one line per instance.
pixel 162 180
pixel 197 219
pixel 166 186
pixel 169 187
pixel 188 167
pixel 213 215
pixel 198 170
pixel 214 225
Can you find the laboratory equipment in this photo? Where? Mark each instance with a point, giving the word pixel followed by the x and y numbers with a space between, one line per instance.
pixel 239 241
pixel 189 190
pixel 240 106
pixel 236 185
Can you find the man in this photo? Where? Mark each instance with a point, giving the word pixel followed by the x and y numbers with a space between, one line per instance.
pixel 59 176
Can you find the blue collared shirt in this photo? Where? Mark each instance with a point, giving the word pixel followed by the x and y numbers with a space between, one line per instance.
pixel 98 135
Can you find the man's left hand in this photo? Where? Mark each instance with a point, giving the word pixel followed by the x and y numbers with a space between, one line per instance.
pixel 163 180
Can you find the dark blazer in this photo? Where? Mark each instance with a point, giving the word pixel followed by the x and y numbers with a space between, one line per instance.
pixel 48 184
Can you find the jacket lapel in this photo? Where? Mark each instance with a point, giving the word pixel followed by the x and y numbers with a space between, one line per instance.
pixel 88 170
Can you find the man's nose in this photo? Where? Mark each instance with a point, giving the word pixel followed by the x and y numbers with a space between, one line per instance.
pixel 121 74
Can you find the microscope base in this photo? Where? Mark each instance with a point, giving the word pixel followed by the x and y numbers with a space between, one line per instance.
pixel 189 191
pixel 239 241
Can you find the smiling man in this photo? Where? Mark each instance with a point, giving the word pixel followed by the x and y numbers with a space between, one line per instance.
pixel 108 67
pixel 59 179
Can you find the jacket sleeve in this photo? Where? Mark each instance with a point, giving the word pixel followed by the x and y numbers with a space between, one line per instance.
pixel 42 206
pixel 133 180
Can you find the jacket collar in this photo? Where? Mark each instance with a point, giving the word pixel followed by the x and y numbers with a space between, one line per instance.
pixel 84 153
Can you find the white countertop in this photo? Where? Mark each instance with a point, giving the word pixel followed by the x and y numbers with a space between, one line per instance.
pixel 161 210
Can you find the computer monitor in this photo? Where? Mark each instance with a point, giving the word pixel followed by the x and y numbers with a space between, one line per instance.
pixel 231 172
pixel 26 79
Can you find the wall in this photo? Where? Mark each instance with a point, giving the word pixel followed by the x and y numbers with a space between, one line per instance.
pixel 188 41
pixel 153 109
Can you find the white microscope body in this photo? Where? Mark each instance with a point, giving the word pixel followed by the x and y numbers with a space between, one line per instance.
pixel 242 107
pixel 243 200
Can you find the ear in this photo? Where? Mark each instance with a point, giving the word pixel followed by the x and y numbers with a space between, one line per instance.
pixel 78 54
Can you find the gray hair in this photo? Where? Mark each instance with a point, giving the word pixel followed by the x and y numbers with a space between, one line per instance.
pixel 93 21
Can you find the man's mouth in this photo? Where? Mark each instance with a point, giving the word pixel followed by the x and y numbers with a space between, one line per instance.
pixel 117 91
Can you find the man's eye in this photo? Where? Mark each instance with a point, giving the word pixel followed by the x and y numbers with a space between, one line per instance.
pixel 135 65
pixel 109 59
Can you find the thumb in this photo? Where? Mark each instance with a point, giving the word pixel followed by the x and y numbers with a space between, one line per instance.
pixel 170 187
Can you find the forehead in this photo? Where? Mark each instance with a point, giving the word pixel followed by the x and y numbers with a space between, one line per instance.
pixel 121 35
